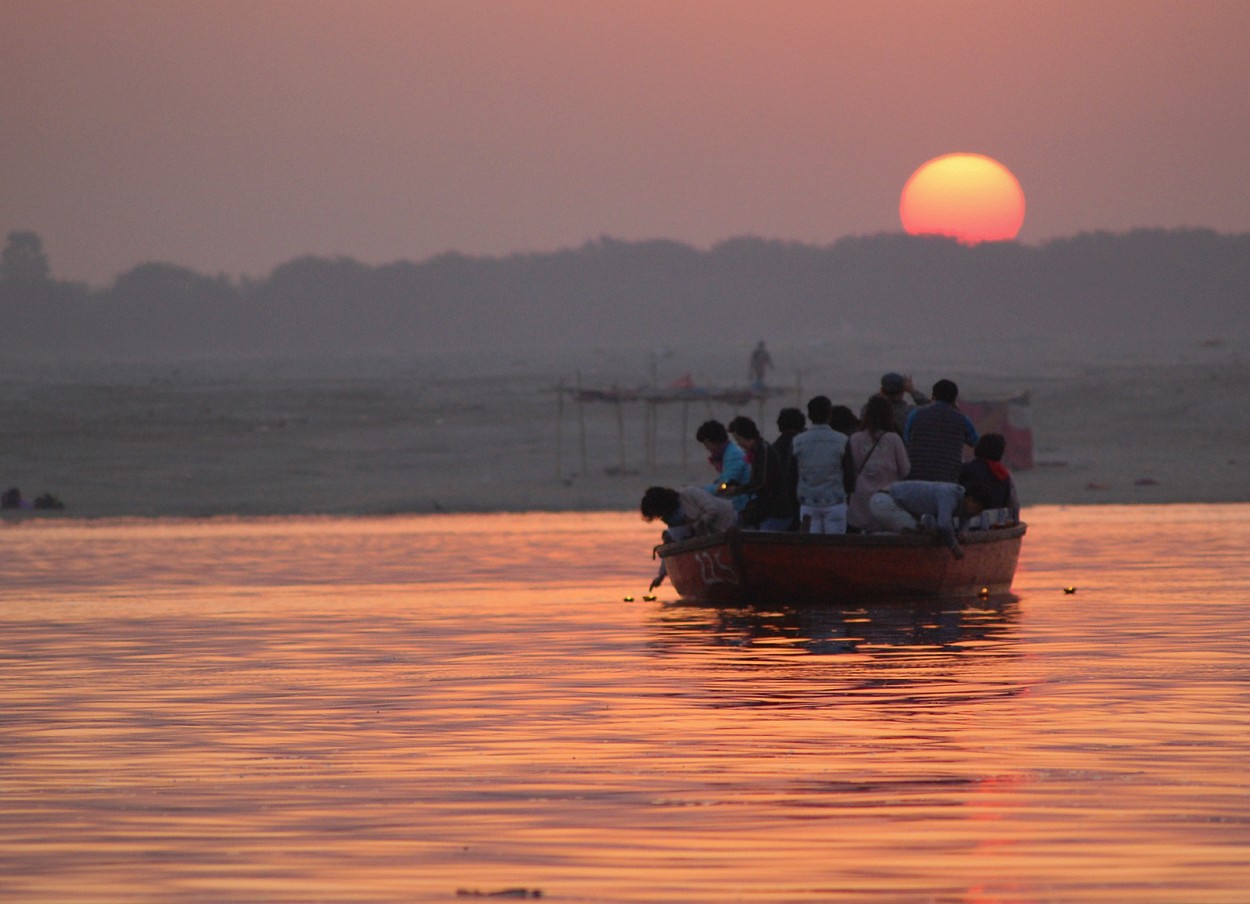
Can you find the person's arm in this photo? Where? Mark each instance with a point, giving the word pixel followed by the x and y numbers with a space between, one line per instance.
pixel 735 468
pixel 970 431
pixel 916 395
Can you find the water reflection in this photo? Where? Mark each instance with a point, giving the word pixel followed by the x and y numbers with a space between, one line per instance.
pixel 878 628
pixel 232 712
pixel 902 653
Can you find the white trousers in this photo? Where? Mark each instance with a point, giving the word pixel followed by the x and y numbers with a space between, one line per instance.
pixel 826 519
pixel 887 515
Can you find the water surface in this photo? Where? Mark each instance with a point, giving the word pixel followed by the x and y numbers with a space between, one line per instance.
pixel 398 709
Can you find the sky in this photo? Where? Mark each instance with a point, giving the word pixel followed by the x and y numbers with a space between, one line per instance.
pixel 231 136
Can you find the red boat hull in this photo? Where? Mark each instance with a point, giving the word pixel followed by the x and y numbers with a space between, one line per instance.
pixel 753 567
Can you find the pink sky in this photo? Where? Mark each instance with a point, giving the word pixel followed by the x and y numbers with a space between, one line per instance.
pixel 232 135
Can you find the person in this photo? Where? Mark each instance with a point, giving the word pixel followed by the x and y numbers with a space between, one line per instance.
pixel 766 485
pixel 878 457
pixel 911 505
pixel 893 387
pixel 987 482
pixel 843 419
pixel 689 512
pixel 790 423
pixel 936 434
pixel 729 460
pixel 819 453
pixel 761 362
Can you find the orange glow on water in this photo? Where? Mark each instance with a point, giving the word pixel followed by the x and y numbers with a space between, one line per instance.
pixel 443 703
pixel 969 197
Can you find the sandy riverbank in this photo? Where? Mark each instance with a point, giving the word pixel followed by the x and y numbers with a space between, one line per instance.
pixel 479 433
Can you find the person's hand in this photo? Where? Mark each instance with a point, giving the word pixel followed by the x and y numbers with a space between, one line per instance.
pixel 908 386
pixel 657 582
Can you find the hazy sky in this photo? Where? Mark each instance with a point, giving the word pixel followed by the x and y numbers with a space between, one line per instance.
pixel 233 135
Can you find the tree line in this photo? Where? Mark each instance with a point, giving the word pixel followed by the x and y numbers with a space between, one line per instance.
pixel 1177 284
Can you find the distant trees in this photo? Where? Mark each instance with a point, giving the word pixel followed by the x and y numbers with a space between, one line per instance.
pixel 1181 284
pixel 23 262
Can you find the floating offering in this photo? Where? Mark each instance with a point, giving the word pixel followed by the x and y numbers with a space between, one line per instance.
pixel 650 598
pixel 1069 590
pixel 629 599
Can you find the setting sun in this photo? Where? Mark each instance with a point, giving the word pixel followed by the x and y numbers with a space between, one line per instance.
pixel 969 197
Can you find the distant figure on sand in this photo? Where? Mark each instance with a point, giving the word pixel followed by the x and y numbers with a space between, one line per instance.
pixel 690 512
pixel 936 435
pixel 761 362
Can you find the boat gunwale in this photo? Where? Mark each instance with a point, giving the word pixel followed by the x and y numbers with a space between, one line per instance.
pixel 835 541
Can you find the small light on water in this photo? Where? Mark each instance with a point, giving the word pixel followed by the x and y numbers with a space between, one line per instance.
pixel 1069 590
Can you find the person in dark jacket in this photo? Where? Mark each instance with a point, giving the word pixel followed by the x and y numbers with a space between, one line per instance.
pixel 936 435
pixel 987 482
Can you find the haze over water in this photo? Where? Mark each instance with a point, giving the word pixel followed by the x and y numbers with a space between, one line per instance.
pixel 395 709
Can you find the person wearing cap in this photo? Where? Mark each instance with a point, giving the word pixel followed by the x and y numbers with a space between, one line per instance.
pixel 894 386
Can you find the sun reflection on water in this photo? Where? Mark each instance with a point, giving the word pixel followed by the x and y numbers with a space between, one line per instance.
pixel 397 709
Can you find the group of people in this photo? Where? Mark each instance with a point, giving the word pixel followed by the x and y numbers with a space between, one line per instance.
pixel 897 466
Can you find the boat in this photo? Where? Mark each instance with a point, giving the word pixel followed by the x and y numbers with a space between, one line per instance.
pixel 748 567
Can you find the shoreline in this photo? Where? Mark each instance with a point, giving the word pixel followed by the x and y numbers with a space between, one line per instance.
pixel 493 433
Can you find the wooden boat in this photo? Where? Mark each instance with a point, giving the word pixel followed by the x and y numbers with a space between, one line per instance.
pixel 756 567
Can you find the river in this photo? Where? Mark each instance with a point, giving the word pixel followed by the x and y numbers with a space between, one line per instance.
pixel 439 707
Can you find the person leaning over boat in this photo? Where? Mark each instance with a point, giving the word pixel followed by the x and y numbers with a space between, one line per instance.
pixel 728 458
pixel 689 512
pixel 936 435
pixel 909 505
pixel 819 452
pixel 878 457
pixel 988 484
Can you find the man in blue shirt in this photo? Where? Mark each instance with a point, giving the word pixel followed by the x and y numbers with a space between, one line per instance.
pixel 728 458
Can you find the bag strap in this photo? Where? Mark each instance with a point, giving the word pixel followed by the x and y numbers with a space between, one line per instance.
pixel 860 469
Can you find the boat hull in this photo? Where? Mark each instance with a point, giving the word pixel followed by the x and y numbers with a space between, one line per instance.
pixel 756 567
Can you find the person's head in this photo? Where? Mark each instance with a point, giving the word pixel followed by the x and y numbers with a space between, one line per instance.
pixel 945 391
pixel 843 419
pixel 713 435
pixel 659 502
pixel 819 409
pixel 791 420
pixel 879 414
pixel 892 384
pixel 991 447
pixel 744 431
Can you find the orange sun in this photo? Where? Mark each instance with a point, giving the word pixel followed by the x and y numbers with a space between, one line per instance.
pixel 968 197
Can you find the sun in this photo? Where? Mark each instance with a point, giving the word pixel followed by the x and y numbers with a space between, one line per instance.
pixel 969 197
